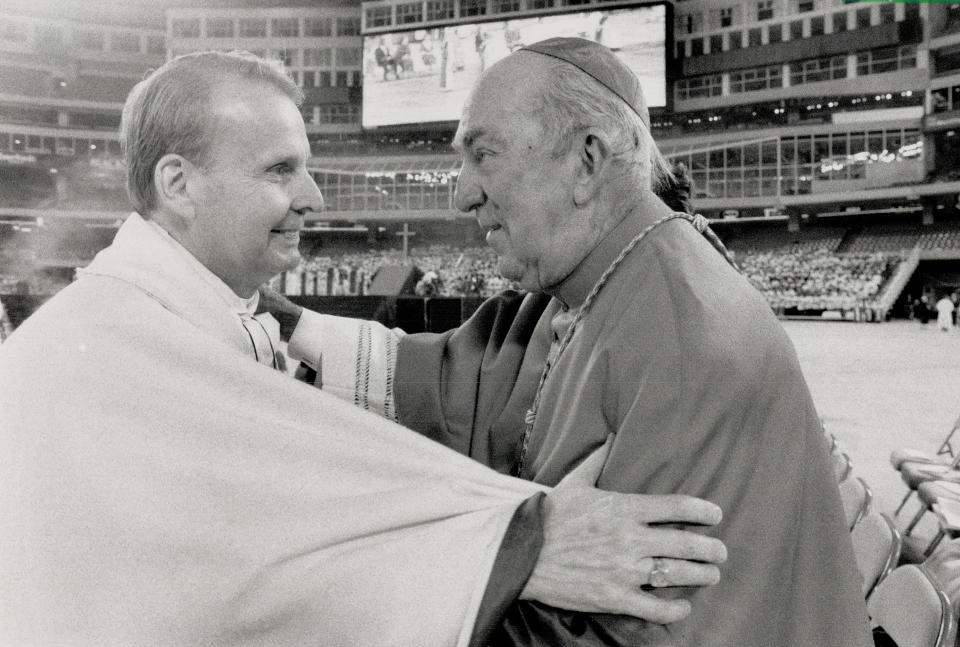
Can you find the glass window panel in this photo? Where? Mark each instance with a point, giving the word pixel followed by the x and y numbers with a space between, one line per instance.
pixel 323 26
pixel 219 27
pixel 838 145
pixel 816 26
pixel 252 28
pixel 839 22
pixel 186 28
pixel 775 33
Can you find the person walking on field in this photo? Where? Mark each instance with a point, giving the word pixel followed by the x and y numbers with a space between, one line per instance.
pixel 944 313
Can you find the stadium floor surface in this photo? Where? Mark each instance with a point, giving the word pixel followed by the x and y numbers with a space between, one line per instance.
pixel 879 387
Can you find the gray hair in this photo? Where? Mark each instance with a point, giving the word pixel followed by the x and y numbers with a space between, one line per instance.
pixel 572 100
pixel 169 112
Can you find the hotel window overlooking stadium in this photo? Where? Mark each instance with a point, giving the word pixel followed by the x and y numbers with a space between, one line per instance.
pixel 540 4
pixel 796 29
pixel 838 22
pixel 473 8
pixel 804 6
pixel 775 33
pixel 317 57
pixel 341 80
pixel 752 169
pixel 219 27
pixel 124 41
pixel 89 39
pixel 716 43
pixel 186 28
pixel 765 10
pixel 888 59
pixel 324 79
pixel 285 27
pixel 887 16
pixel 761 78
pixel 863 18
pixel 946 99
pixel 754 37
pixel 735 40
pixel 816 26
pixel 252 28
pixel 508 6
pixel 349 56
pixel 287 57
pixel 440 9
pixel 818 69
pixel 319 26
pixel 348 26
pixel 696 47
pixel 378 16
pixel 410 12
pixel 696 87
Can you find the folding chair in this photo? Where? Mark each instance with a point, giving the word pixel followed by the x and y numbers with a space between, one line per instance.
pixel 948 516
pixel 856 497
pixel 842 466
pixel 899 456
pixel 876 544
pixel 912 609
pixel 914 473
pixel 929 493
pixel 945 446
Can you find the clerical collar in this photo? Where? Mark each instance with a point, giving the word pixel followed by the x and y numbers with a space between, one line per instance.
pixel 237 304
pixel 573 290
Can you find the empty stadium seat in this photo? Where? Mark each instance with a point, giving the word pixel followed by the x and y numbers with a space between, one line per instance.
pixel 912 609
pixel 856 497
pixel 877 545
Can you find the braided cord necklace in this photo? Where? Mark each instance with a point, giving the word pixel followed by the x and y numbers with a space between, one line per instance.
pixel 530 419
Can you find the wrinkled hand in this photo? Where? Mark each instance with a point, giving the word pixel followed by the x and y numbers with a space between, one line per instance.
pixel 599 548
pixel 286 312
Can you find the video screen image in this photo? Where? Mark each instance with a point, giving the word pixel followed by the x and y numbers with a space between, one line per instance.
pixel 424 75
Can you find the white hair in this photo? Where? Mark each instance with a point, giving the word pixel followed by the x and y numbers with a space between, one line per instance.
pixel 572 100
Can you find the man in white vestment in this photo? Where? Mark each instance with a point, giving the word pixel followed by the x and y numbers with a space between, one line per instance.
pixel 162 483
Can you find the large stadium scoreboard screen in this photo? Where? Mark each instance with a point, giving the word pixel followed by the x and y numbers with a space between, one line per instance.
pixel 424 75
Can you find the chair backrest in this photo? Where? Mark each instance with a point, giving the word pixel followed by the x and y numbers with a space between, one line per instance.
pixel 946 447
pixel 842 466
pixel 856 497
pixel 876 544
pixel 912 610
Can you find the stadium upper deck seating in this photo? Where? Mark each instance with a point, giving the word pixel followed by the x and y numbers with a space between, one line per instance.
pixel 898 237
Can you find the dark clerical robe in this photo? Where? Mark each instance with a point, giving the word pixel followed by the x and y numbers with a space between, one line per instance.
pixel 683 360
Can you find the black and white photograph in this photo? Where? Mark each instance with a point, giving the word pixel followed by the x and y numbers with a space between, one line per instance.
pixel 480 323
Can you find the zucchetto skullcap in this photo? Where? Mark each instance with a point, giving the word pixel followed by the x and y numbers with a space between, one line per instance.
pixel 600 63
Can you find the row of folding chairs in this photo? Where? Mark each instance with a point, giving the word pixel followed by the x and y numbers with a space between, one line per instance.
pixel 930 600
pixel 906 603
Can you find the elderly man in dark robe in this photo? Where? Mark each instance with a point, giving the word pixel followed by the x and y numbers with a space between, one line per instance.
pixel 161 483
pixel 637 326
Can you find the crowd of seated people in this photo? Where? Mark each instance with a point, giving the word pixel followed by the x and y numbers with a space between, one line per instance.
pixel 818 279
pixel 447 272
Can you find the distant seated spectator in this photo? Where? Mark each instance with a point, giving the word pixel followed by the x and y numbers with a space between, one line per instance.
pixel 429 285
